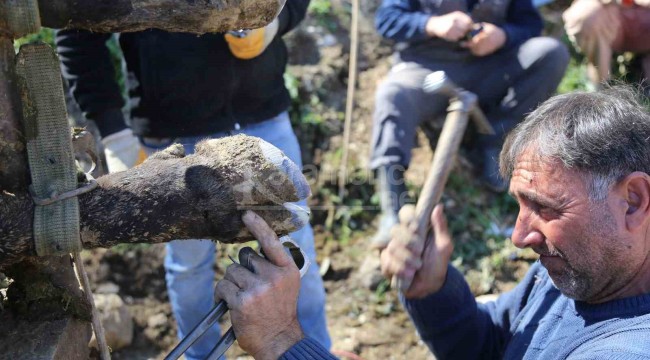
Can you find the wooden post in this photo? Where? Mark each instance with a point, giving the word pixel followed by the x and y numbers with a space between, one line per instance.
pixel 19 18
pixel 47 316
pixel 13 166
pixel 133 15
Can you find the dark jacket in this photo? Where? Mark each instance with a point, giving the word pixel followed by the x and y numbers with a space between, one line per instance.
pixel 404 21
pixel 185 85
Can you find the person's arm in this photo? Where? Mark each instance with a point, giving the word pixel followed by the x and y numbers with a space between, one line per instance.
pixel 86 65
pixel 307 349
pixel 454 326
pixel 439 300
pixel 401 20
pixel 523 22
pixel 629 3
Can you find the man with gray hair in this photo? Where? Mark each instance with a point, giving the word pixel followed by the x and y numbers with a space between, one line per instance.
pixel 579 168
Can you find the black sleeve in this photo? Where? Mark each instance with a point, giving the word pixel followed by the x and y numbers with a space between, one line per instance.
pixel 86 65
pixel 522 23
pixel 292 14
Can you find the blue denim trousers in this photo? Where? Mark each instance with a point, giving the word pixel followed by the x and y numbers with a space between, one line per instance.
pixel 188 263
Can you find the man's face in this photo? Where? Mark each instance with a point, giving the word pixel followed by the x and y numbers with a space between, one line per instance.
pixel 581 243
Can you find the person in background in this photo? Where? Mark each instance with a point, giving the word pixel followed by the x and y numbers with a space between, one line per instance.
pixel 579 167
pixel 491 48
pixel 185 88
pixel 600 28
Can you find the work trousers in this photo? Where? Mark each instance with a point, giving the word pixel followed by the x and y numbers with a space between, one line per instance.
pixel 509 84
pixel 189 263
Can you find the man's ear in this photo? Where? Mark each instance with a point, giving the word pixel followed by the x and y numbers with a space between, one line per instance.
pixel 635 190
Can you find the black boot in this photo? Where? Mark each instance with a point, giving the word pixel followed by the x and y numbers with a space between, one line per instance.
pixel 489 148
pixel 490 174
pixel 392 195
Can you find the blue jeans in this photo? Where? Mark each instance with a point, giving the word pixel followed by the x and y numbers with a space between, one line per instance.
pixel 188 263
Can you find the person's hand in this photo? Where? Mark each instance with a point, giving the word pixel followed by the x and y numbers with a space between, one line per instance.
pixel 263 303
pixel 591 21
pixel 122 150
pixel 487 41
pixel 402 257
pixel 249 44
pixel 644 3
pixel 451 27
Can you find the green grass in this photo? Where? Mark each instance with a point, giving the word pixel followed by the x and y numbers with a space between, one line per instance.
pixel 320 8
pixel 326 15
pixel 575 77
pixel 46 35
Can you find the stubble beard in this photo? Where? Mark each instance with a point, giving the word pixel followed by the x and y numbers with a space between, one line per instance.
pixel 573 284
pixel 587 273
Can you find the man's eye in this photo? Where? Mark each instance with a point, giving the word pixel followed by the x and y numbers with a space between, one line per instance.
pixel 546 212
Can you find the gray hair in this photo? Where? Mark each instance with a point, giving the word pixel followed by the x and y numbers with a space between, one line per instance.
pixel 605 135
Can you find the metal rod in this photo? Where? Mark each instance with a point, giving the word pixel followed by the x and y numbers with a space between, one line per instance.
pixel 223 345
pixel 210 319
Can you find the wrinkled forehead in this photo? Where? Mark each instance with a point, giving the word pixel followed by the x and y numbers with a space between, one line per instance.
pixel 530 163
pixel 534 170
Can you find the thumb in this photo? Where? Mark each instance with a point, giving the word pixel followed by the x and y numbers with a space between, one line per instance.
pixel 442 238
pixel 406 216
pixel 269 242
pixel 435 258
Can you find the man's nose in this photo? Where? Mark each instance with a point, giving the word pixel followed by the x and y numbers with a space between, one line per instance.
pixel 525 234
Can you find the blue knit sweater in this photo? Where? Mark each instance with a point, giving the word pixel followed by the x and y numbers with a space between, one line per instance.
pixel 533 321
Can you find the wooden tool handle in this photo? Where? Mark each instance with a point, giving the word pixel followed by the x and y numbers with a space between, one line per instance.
pixel 443 160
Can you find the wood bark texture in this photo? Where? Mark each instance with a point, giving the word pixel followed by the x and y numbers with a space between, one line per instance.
pixel 45 315
pixel 13 157
pixel 19 18
pixel 171 15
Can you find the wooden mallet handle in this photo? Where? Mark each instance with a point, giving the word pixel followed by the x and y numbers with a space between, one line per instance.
pixel 461 105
